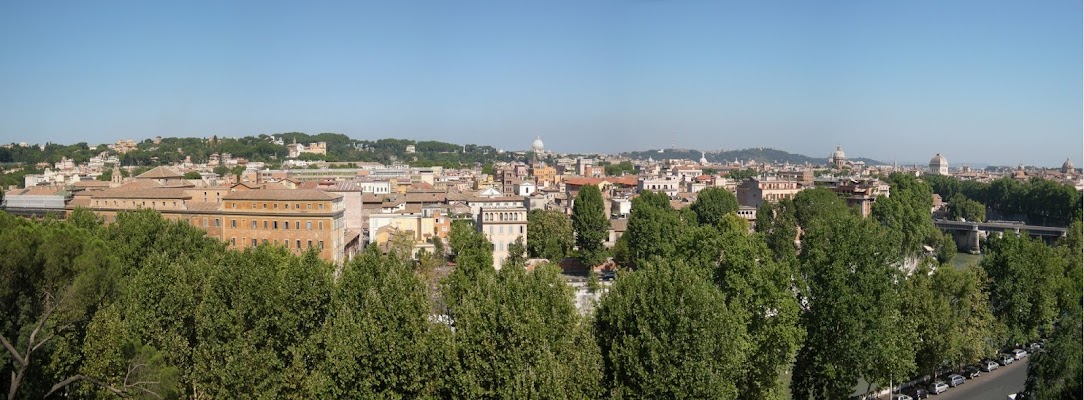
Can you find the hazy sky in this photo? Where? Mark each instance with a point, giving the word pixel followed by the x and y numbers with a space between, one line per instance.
pixel 979 81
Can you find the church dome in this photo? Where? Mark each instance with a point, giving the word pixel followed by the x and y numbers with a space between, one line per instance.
pixel 838 154
pixel 1067 166
pixel 537 146
pixel 938 160
pixel 703 159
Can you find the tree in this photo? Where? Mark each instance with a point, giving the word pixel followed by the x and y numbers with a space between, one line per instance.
pixel 257 325
pixel 758 292
pixel 53 277
pixel 653 230
pixel 549 235
pixel 1026 277
pixel 377 340
pixel 1055 372
pixel 590 224
pixel 961 207
pixel 193 175
pixel 853 324
pixel 946 249
pixel 107 174
pixel 517 333
pixel 907 212
pixel 517 253
pixel 712 204
pixel 666 332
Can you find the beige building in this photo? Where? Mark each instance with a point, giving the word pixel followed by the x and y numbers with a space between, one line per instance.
pixel 502 226
pixel 243 217
pixel 754 191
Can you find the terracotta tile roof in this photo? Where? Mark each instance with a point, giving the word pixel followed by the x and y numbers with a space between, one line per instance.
pixel 282 194
pixel 79 201
pixel 619 225
pixel 92 184
pixel 37 191
pixel 135 193
pixel 630 180
pixel 140 184
pixel 492 199
pixel 160 173
pixel 580 181
pixel 201 206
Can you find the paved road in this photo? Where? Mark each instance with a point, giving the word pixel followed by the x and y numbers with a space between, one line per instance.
pixel 995 385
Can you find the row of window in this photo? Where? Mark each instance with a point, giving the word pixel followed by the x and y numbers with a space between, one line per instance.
pixel 503 216
pixel 274 224
pixel 500 229
pixel 275 206
pixel 285 243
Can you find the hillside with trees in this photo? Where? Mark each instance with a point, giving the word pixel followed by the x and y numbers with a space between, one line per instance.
pixel 758 154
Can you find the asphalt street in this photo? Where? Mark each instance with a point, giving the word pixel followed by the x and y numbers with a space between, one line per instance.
pixel 996 385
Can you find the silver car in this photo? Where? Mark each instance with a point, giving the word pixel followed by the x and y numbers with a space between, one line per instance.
pixel 956 380
pixel 1019 353
pixel 987 366
pixel 938 387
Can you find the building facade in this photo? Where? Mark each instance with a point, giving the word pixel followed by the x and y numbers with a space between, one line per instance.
pixel 502 226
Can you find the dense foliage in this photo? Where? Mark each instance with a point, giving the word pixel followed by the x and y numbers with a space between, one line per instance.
pixel 704 308
pixel 1040 201
pixel 590 224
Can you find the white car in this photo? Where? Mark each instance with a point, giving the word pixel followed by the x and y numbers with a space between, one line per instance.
pixel 901 397
pixel 1019 353
pixel 987 366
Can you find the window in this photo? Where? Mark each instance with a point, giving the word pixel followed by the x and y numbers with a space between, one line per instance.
pixel 521 229
pixel 233 206
pixel 233 241
pixel 297 224
pixel 287 205
pixel 321 245
pixel 204 221
pixel 321 226
pixel 253 206
pixel 299 243
pixel 233 223
pixel 264 206
pixel 253 224
pixel 275 206
pixel 286 225
pixel 286 243
pixel 274 224
pixel 310 244
pixel 308 225
pixel 321 206
pixel 297 206
pixel 309 206
pixel 253 242
pixel 501 229
pixel 265 224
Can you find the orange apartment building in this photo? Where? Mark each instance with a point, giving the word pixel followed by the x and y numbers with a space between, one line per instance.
pixel 297 219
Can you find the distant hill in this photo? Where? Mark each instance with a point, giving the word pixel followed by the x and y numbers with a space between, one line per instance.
pixel 759 154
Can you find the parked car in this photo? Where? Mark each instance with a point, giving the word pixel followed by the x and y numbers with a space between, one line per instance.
pixel 988 365
pixel 902 397
pixel 608 275
pixel 956 380
pixel 1019 353
pixel 938 387
pixel 972 372
pixel 918 392
pixel 1034 347
pixel 1005 359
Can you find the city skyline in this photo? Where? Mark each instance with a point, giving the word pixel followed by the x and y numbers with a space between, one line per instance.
pixel 987 82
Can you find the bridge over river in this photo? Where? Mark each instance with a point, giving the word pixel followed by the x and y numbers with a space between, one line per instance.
pixel 969 234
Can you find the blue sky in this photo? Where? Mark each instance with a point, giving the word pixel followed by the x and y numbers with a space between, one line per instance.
pixel 979 81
